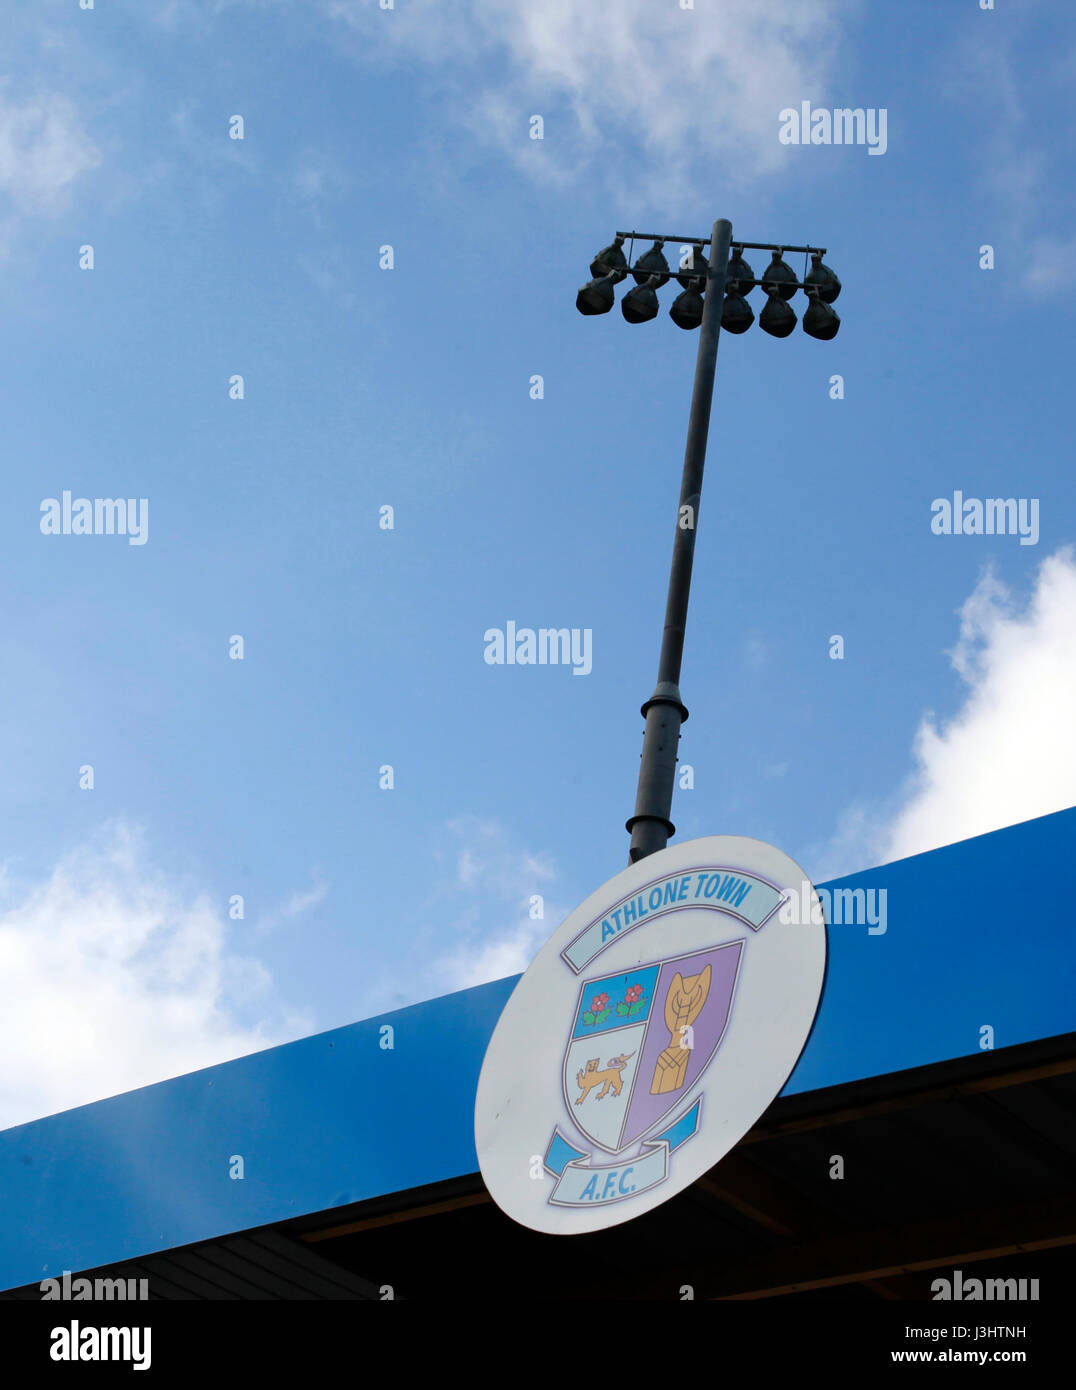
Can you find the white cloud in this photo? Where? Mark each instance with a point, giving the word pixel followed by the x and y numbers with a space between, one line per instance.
pixel 112 978
pixel 1050 264
pixel 44 149
pixel 680 84
pixel 509 953
pixel 1009 753
pixel 493 882
pixel 315 174
pixel 295 905
pixel 638 80
pixel 757 652
pixel 1019 172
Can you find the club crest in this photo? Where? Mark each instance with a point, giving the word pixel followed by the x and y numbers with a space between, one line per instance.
pixel 681 1002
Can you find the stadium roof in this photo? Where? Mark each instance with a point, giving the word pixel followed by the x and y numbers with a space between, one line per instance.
pixel 977 936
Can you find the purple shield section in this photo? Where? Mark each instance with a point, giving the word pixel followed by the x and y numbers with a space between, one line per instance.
pixel 645 1109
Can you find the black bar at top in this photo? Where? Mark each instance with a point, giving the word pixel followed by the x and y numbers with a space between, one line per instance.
pixel 705 241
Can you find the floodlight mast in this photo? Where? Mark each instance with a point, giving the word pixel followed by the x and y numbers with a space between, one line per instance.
pixel 650 826
pixel 664 712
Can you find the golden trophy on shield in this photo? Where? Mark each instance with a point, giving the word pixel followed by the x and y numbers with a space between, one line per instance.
pixel 683 1004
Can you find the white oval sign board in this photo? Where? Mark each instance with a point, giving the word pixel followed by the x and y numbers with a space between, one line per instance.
pixel 649 1034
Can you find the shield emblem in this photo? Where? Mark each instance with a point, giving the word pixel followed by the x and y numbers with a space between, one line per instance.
pixel 640 1041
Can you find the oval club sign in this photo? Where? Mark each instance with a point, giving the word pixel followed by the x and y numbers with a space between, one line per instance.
pixel 649 1034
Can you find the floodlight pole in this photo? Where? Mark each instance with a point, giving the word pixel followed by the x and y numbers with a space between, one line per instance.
pixel 664 712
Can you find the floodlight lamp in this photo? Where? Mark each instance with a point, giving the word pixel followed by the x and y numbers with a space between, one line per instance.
pixel 823 279
pixel 686 311
pixel 778 318
pixel 739 277
pixel 597 296
pixel 640 305
pixel 652 263
pixel 820 320
pixel 737 316
pixel 693 275
pixel 610 258
pixel 779 278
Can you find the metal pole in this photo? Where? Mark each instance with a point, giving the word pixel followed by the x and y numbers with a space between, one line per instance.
pixel 664 712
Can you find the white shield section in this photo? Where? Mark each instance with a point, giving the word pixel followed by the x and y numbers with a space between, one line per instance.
pixel 600 1093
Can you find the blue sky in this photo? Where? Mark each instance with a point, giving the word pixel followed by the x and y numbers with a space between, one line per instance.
pixel 950 713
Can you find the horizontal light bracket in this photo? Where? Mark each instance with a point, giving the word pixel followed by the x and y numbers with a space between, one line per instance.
pixel 736 244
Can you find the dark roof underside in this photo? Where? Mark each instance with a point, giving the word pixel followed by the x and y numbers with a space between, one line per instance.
pixel 967 1164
